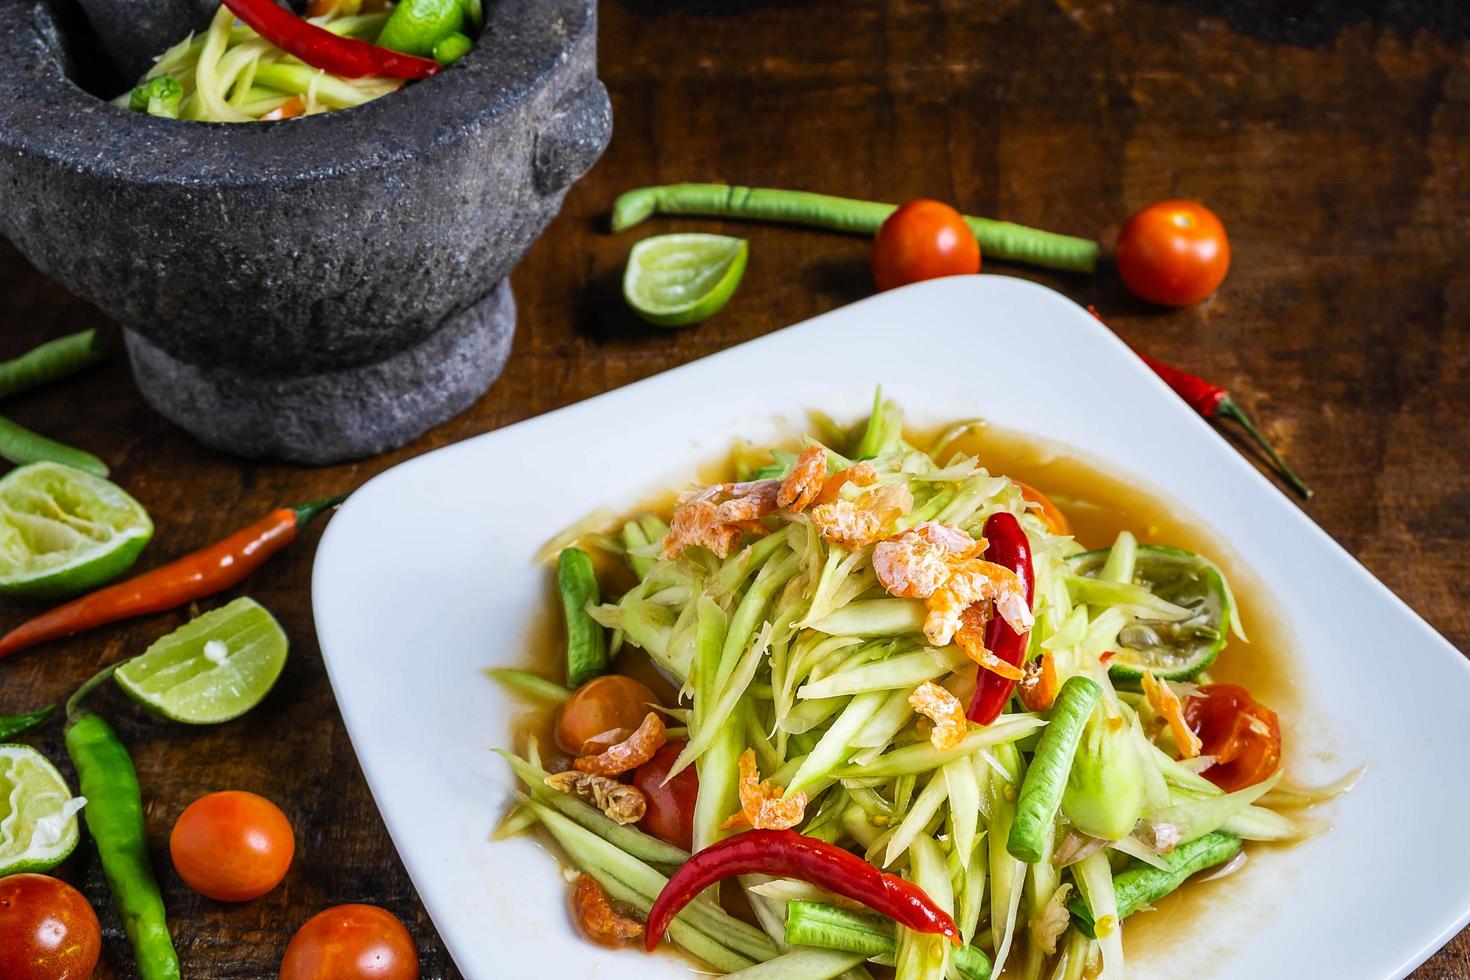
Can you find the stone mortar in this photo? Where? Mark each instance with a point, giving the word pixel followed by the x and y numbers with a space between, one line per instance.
pixel 314 289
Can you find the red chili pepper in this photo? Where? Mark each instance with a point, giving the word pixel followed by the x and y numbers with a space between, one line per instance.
pixel 203 573
pixel 1212 401
pixel 1006 545
pixel 320 48
pixel 787 854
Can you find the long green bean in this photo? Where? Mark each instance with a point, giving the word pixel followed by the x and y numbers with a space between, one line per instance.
pixel 998 239
pixel 20 446
pixel 1046 779
pixel 1142 884
pixel 828 927
pixel 51 361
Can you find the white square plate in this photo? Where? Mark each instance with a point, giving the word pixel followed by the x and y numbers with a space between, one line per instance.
pixel 426 577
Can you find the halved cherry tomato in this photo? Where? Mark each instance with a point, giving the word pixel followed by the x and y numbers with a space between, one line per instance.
pixel 1173 253
pixel 351 942
pixel 1242 734
pixel 923 240
pixel 232 846
pixel 1051 515
pixel 603 704
pixel 670 813
pixel 47 930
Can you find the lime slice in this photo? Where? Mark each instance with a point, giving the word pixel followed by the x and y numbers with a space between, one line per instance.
pixel 213 668
pixel 1176 651
pixel 676 280
pixel 64 532
pixel 38 816
pixel 415 26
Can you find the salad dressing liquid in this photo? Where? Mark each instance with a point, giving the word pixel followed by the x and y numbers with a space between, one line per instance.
pixel 1098 504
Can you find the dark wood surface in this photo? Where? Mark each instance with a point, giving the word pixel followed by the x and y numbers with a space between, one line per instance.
pixel 1336 149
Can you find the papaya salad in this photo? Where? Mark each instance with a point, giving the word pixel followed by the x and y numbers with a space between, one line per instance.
pixel 914 727
pixel 259 62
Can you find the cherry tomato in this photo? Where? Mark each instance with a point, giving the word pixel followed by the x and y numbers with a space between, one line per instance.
pixel 1242 734
pixel 1173 253
pixel 351 942
pixel 670 813
pixel 47 930
pixel 923 240
pixel 232 846
pixel 602 704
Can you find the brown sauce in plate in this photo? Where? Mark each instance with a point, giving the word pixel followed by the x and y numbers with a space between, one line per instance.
pixel 1098 503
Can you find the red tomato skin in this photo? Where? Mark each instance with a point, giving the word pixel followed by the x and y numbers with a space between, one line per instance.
pixel 1243 734
pixel 48 931
pixel 1173 253
pixel 921 240
pixel 351 942
pixel 602 704
pixel 232 846
pixel 670 813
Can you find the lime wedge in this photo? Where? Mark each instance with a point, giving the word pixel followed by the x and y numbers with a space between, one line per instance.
pixel 676 280
pixel 38 816
pixel 213 668
pixel 64 532
pixel 1171 650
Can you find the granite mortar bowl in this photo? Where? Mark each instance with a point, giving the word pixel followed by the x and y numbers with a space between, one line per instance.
pixel 314 289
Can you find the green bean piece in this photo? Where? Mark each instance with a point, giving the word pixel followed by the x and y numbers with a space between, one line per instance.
pixel 20 446
pixel 52 361
pixel 114 815
pixel 14 725
pixel 1046 779
pixel 586 639
pixel 998 239
pixel 449 49
pixel 1140 884
pixel 829 927
pixel 159 96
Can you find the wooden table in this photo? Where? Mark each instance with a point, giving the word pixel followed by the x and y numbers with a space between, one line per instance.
pixel 1341 167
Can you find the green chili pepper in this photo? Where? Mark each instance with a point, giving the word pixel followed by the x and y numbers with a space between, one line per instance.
pixel 114 815
pixel 586 640
pixel 13 725
pixel 20 445
pixel 50 362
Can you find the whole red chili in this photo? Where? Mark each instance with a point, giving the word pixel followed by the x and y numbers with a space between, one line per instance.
pixel 203 573
pixel 1212 401
pixel 787 854
pixel 1006 545
pixel 320 48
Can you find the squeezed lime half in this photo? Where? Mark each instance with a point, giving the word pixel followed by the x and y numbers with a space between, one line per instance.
pixel 38 816
pixel 213 668
pixel 1170 650
pixel 678 280
pixel 64 532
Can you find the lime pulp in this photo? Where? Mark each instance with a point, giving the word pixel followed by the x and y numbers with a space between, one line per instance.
pixel 214 668
pixel 64 532
pixel 38 816
pixel 678 280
